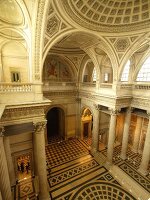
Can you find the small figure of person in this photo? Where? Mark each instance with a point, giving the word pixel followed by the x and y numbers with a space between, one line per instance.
pixel 22 167
pixel 27 167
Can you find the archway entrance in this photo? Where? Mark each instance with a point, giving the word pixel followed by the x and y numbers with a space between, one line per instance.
pixel 86 126
pixel 55 125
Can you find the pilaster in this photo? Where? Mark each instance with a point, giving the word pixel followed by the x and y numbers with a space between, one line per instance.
pixel 4 175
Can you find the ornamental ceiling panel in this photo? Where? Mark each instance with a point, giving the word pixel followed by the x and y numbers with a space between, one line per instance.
pixel 10 12
pixel 109 15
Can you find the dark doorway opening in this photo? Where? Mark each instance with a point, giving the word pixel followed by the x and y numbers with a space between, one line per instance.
pixel 55 124
pixel 85 133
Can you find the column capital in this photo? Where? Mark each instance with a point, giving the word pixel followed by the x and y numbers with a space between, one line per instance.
pixel 148 113
pixel 96 106
pixel 130 109
pixel 39 126
pixel 114 111
pixel 2 130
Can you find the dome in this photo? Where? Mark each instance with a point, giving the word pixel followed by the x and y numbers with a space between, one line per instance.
pixel 109 15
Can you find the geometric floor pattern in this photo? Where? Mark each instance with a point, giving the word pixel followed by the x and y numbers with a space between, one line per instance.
pixel 130 166
pixel 74 174
pixel 77 175
pixel 25 188
pixel 60 153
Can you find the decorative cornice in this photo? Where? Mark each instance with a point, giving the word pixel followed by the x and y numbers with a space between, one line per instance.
pixel 140 103
pixel 23 114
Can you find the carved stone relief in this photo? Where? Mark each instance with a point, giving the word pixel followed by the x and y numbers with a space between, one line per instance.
pixel 53 24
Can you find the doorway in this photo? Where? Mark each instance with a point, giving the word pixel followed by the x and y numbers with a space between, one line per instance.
pixel 86 127
pixel 55 124
pixel 24 167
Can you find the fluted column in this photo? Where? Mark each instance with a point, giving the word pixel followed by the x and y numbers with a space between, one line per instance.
pixel 41 159
pixel 111 137
pixel 146 152
pixel 4 175
pixel 78 117
pixel 95 133
pixel 137 134
pixel 9 161
pixel 126 134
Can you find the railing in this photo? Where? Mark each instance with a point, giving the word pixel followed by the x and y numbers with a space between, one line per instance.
pixel 126 86
pixel 106 85
pixel 142 86
pixel 88 84
pixel 59 84
pixel 15 87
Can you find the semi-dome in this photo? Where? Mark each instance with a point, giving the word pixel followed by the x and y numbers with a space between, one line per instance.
pixel 10 12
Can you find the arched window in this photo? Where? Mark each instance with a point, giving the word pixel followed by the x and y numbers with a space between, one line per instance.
pixel 94 75
pixel 144 73
pixel 125 73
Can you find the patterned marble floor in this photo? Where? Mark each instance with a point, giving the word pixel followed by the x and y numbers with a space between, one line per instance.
pixel 73 173
pixel 23 189
pixel 131 165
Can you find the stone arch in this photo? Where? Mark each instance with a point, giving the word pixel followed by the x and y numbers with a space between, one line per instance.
pixel 22 58
pixel 70 66
pixel 60 124
pixel 86 124
pixel 105 46
pixel 141 42
pixel 84 61
pixel 140 63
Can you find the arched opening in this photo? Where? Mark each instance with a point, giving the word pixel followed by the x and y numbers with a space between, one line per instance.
pixel 86 126
pixel 55 124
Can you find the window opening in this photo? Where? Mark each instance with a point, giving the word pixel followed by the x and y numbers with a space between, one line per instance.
pixel 125 74
pixel 144 73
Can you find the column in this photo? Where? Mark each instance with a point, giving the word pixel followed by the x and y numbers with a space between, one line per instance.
pixel 95 132
pixel 137 134
pixel 111 137
pixel 9 161
pixel 146 152
pixel 126 134
pixel 35 154
pixel 4 175
pixel 78 117
pixel 40 157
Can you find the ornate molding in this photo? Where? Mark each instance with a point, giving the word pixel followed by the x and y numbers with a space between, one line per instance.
pixel 39 127
pixel 96 107
pixel 140 103
pixel 78 99
pixel 22 114
pixel 114 111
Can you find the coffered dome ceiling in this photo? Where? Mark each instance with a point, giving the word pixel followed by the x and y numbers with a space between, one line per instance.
pixel 109 15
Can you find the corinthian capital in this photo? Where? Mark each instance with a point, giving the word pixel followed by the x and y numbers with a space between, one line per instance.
pixel 114 111
pixel 96 106
pixel 148 113
pixel 39 126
